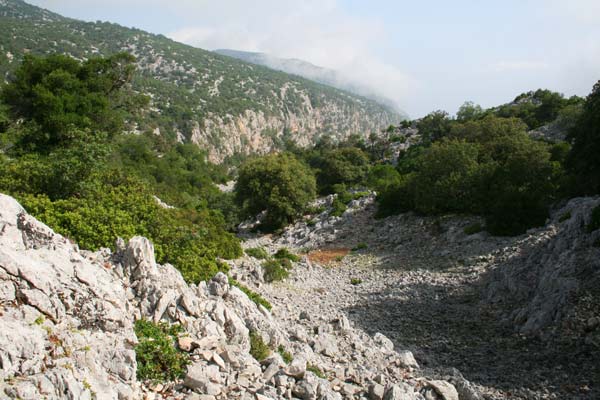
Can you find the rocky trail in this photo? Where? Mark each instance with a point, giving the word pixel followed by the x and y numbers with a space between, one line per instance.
pixel 422 282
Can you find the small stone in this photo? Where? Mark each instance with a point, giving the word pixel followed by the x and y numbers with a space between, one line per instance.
pixel 376 391
pixel 185 343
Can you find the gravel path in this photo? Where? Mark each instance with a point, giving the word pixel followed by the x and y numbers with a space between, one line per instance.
pixel 419 285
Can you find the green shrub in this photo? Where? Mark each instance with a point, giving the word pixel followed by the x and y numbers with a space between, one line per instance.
pixel 583 161
pixel 473 228
pixel 258 348
pixel 284 254
pixel 252 295
pixel 338 207
pixel 355 281
pixel 257 252
pixel 277 183
pixel 156 355
pixel 595 220
pixel 121 206
pixel 276 269
pixel 314 210
pixel 346 165
pixel 285 355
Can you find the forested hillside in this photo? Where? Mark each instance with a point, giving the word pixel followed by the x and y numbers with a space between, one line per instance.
pixel 224 105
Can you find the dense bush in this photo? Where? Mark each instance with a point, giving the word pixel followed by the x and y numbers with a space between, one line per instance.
pixel 584 161
pixel 122 206
pixel 257 252
pixel 156 355
pixel 277 183
pixel 488 166
pixel 346 165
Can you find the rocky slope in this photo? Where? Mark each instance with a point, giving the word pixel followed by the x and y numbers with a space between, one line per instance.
pixel 67 331
pixel 517 316
pixel 224 105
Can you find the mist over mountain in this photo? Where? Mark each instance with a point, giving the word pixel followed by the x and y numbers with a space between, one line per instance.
pixel 313 72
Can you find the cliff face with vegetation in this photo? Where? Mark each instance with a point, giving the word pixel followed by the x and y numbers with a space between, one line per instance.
pixel 222 104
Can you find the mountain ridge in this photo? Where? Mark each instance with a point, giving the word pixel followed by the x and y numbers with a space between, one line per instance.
pixel 307 70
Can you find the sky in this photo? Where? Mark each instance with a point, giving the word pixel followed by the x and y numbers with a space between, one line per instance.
pixel 424 55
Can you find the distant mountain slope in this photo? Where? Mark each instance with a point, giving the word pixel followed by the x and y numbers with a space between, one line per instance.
pixel 222 104
pixel 310 71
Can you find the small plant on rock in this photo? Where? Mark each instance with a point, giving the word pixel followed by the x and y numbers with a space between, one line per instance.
pixel 315 370
pixel 257 252
pixel 258 348
pixel 355 281
pixel 285 355
pixel 276 270
pixel 252 295
pixel 285 254
pixel 157 357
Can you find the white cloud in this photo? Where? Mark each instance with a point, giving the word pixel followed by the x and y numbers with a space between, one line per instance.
pixel 315 31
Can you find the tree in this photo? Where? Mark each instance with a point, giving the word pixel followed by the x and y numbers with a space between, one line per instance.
pixel 347 165
pixel 469 111
pixel 445 177
pixel 434 126
pixel 584 161
pixel 277 183
pixel 58 96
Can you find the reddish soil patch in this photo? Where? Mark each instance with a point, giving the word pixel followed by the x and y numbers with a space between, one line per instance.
pixel 327 256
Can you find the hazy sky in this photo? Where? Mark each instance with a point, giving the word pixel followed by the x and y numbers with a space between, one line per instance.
pixel 425 55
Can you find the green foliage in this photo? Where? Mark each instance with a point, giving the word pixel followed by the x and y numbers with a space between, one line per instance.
pixel 257 252
pixel 583 161
pixel 346 165
pixel 469 111
pixel 488 166
pixel 277 183
pixel 473 228
pixel 276 269
pixel 284 254
pixel 446 177
pixel 382 177
pixel 252 295
pixel 434 126
pixel 536 108
pixel 338 207
pixel 156 355
pixel 122 206
pixel 594 223
pixel 59 97
pixel 258 348
pixel 355 281
pixel 360 246
pixel 315 370
pixel 286 356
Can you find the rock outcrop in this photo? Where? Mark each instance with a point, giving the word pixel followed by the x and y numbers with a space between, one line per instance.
pixel 550 281
pixel 67 319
